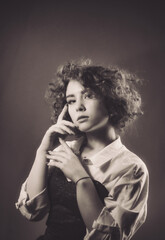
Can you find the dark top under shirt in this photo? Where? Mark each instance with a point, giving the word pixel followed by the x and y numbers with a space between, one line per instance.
pixel 64 220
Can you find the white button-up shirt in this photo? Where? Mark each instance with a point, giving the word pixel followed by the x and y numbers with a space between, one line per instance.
pixel 124 175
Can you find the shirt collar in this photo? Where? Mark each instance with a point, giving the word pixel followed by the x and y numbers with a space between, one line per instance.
pixel 106 154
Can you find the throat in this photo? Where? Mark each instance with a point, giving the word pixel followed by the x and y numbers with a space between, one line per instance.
pixel 97 141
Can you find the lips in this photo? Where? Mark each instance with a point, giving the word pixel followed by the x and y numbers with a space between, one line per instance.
pixel 82 118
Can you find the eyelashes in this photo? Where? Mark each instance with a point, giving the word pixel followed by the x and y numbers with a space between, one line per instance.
pixel 70 102
pixel 87 94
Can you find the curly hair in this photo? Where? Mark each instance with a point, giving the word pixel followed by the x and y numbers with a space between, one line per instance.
pixel 117 87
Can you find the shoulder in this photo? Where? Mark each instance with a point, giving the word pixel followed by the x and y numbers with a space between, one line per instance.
pixel 129 160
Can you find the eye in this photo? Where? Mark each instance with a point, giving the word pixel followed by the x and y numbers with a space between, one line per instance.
pixel 89 95
pixel 71 101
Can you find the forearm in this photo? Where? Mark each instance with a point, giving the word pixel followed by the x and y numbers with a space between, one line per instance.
pixel 89 202
pixel 37 179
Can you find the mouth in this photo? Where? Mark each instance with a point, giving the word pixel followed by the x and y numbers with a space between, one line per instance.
pixel 82 118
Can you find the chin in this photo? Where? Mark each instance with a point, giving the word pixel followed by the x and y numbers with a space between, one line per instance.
pixel 91 126
pixel 84 128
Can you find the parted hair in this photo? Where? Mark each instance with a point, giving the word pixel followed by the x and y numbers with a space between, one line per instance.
pixel 117 88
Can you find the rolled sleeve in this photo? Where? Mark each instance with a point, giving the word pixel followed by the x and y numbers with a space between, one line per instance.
pixel 33 209
pixel 104 227
pixel 125 207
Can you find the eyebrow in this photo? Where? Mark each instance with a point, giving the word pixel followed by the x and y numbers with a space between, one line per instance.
pixel 72 95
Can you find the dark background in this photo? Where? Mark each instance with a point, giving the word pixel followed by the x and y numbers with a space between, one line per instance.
pixel 37 36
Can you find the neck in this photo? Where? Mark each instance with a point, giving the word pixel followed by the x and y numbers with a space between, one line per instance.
pixel 101 137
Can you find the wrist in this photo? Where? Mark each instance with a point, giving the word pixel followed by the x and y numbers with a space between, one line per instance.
pixel 82 179
pixel 41 154
pixel 80 174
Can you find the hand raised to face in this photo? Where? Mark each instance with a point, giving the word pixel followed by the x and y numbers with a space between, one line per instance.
pixel 62 129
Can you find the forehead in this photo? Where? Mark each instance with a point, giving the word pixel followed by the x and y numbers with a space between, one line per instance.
pixel 74 87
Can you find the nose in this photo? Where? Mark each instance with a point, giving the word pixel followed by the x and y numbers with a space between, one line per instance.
pixel 80 106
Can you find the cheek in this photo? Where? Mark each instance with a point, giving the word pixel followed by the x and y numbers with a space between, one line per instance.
pixel 100 110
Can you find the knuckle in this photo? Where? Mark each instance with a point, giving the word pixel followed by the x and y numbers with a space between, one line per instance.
pixel 51 129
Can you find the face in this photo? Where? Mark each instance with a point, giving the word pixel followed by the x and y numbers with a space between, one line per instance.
pixel 85 108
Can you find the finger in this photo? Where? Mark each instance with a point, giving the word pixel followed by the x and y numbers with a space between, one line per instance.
pixel 67 129
pixel 54 164
pixel 68 123
pixel 65 146
pixel 62 129
pixel 62 114
pixel 55 154
pixel 57 158
pixel 55 129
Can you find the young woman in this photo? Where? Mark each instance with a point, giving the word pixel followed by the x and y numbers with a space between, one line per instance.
pixel 91 185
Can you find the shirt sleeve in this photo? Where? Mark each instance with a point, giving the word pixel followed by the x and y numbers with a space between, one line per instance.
pixel 33 209
pixel 36 208
pixel 125 207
